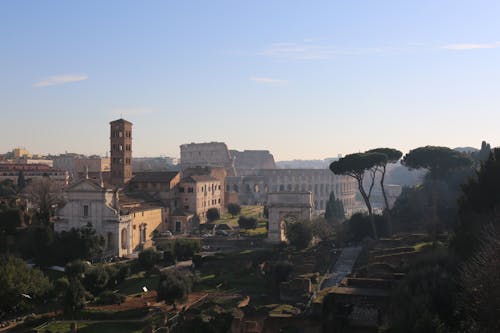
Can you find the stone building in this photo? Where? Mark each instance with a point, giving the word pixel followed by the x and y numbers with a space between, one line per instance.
pixel 208 154
pixel 121 151
pixel 287 207
pixel 80 166
pixel 32 171
pixel 252 160
pixel 126 213
pixel 160 185
pixel 253 187
pixel 199 193
pixel 127 223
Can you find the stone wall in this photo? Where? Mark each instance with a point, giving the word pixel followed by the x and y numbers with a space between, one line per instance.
pixel 254 186
pixel 208 154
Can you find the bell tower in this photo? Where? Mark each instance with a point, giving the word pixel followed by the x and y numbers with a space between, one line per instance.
pixel 121 151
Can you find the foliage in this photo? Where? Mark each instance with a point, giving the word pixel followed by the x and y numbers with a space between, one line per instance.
pixel 392 156
pixel 214 317
pixel 10 219
pixel 45 194
pixel 334 212
pixel 478 206
pixel 50 248
pixel 169 257
pixel 358 227
pixel 233 209
pixel 173 286
pixel 108 297
pixel 246 222
pixel 410 209
pixel 96 279
pixel 76 269
pixel 322 229
pixel 213 214
pixel 75 298
pixel 61 286
pixel 149 258
pixel 16 280
pixel 437 160
pixel 423 300
pixel 7 188
pixel 356 165
pixel 480 282
pixel 299 234
pixel 186 248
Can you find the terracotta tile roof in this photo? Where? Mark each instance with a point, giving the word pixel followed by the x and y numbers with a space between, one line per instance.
pixel 154 176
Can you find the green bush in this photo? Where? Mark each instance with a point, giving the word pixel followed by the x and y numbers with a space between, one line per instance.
pixel 107 297
pixel 299 234
pixel 246 222
pixel 185 249
pixel 96 279
pixel 149 258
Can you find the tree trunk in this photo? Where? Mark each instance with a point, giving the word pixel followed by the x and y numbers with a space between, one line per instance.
pixel 366 198
pixel 387 212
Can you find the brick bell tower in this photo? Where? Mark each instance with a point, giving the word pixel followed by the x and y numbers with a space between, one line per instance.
pixel 121 151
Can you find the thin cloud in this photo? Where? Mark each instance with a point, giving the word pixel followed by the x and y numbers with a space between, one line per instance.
pixel 471 46
pixel 268 80
pixel 298 51
pixel 60 79
pixel 316 51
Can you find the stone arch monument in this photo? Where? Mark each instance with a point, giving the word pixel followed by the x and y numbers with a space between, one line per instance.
pixel 287 207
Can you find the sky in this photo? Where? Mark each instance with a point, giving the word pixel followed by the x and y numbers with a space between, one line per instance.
pixel 303 79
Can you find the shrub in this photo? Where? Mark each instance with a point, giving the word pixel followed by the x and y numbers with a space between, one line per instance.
pixel 186 248
pixel 168 257
pixel 299 234
pixel 246 222
pixel 148 259
pixel 233 209
pixel 107 297
pixel 213 214
pixel 173 286
pixel 96 279
pixel 123 272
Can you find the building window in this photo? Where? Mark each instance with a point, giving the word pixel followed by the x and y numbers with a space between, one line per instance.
pixel 181 189
pixel 124 239
pixel 143 233
pixel 186 207
pixel 178 226
pixel 190 190
pixel 85 210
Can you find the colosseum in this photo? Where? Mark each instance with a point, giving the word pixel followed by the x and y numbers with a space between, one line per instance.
pixel 252 174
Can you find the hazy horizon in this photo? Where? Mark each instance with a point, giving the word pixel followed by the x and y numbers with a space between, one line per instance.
pixel 302 80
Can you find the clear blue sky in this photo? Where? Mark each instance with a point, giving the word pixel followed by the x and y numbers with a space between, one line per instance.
pixel 304 79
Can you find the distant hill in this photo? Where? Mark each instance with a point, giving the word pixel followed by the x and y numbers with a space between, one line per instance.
pixel 467 150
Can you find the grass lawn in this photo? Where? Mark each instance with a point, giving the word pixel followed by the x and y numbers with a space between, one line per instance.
pixel 259 232
pixel 96 327
pixel 250 211
pixel 134 283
